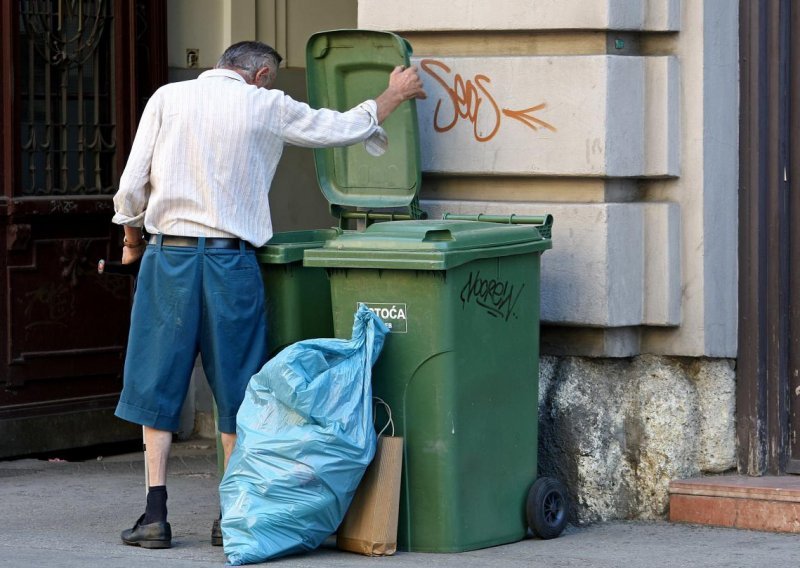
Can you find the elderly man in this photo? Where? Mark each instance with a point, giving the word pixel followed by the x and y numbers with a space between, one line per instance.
pixel 197 180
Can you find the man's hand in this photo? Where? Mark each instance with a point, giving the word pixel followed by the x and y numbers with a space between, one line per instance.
pixel 406 81
pixel 404 84
pixel 132 254
pixel 133 245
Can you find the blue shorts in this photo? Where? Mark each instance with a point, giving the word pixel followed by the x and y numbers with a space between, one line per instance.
pixel 193 300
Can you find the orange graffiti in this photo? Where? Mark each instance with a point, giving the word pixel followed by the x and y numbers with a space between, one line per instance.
pixel 466 100
pixel 526 117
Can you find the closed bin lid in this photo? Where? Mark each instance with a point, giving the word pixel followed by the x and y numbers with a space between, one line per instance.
pixel 426 245
pixel 343 69
pixel 288 247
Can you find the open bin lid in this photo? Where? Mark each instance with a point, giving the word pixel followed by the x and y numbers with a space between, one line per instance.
pixel 345 68
pixel 426 245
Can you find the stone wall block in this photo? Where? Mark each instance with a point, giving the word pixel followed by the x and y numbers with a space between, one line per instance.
pixel 665 407
pixel 581 438
pixel 588 115
pixel 716 387
pixel 662 16
pixel 662 287
pixel 549 115
pixel 616 432
pixel 612 265
pixel 662 121
pixel 433 15
pixel 548 367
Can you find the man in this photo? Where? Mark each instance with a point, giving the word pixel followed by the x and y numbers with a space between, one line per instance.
pixel 197 180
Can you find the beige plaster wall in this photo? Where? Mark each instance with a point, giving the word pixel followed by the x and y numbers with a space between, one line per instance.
pixel 660 15
pixel 212 25
pixel 670 132
pixel 708 186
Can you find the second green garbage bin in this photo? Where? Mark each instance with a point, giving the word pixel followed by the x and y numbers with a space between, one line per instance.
pixel 459 368
pixel 298 299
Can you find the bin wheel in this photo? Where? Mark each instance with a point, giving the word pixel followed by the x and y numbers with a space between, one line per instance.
pixel 547 508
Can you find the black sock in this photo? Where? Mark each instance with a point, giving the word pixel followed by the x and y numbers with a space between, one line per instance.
pixel 156 510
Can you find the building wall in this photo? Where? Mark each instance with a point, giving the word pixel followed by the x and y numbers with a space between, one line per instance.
pixel 620 118
pixel 210 26
pixel 619 111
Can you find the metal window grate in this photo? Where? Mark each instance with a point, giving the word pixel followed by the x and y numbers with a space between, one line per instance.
pixel 67 122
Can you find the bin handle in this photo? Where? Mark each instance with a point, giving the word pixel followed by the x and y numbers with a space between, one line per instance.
pixel 373 216
pixel 543 222
pixel 390 422
pixel 511 219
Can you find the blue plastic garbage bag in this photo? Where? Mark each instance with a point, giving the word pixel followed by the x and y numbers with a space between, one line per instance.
pixel 305 438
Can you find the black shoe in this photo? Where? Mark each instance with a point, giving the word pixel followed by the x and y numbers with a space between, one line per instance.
pixel 216 534
pixel 154 535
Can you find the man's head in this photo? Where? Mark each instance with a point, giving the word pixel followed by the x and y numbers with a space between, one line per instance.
pixel 255 61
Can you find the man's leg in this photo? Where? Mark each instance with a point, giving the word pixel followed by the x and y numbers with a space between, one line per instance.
pixel 234 339
pixel 152 529
pixel 158 444
pixel 162 348
pixel 228 442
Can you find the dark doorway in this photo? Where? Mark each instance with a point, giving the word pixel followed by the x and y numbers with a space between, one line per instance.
pixel 76 75
pixel 768 395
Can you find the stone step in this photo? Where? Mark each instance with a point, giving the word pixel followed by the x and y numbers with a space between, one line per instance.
pixel 769 503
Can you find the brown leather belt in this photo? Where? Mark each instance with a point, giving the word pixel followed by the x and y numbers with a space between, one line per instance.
pixel 192 242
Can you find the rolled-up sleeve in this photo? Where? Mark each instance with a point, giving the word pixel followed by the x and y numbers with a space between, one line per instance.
pixel 323 128
pixel 130 201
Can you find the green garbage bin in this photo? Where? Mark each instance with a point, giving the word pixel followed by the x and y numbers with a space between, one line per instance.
pixel 459 369
pixel 298 299
pixel 343 68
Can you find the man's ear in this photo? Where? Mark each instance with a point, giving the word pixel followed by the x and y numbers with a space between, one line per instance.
pixel 271 76
pixel 262 75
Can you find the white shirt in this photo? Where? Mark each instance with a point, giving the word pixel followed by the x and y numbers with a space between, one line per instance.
pixel 206 151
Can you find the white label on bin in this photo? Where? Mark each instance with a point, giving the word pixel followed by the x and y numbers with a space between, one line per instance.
pixel 393 315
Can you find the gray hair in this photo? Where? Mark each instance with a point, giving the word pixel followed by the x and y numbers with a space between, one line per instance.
pixel 249 57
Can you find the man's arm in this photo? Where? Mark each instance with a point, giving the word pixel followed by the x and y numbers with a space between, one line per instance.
pixel 130 201
pixel 321 128
pixel 404 84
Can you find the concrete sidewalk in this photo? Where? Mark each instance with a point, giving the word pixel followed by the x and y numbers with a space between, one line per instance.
pixel 69 514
